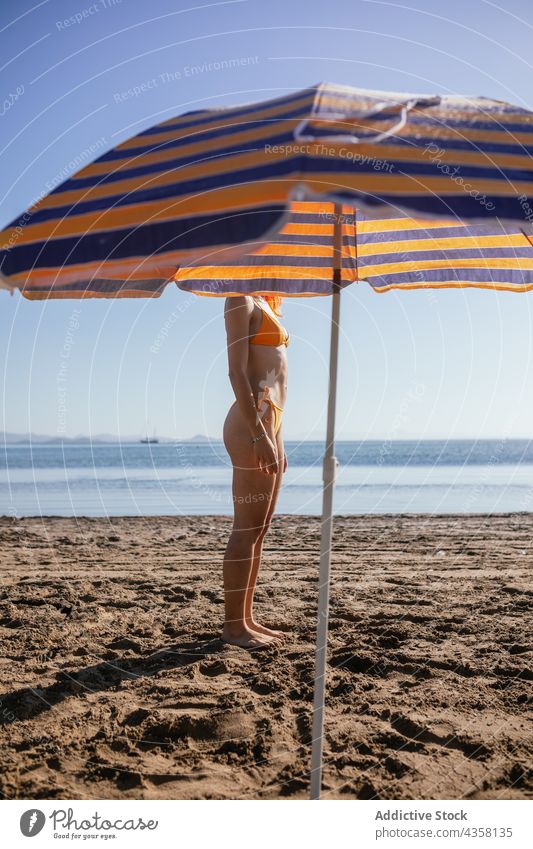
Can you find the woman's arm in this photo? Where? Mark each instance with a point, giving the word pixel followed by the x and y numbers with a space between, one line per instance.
pixel 237 312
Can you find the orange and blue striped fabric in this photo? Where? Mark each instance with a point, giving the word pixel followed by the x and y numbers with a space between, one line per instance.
pixel 226 177
pixel 298 261
pixel 402 253
pixel 415 254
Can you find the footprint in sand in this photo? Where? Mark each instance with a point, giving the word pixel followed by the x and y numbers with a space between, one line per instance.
pixel 126 644
pixel 213 669
pixel 175 726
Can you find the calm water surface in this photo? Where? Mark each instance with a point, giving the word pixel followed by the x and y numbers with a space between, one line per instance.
pixel 460 476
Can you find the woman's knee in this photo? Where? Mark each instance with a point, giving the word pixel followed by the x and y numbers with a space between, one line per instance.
pixel 246 537
pixel 264 530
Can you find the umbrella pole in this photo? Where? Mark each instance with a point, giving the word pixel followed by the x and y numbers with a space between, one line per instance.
pixel 328 477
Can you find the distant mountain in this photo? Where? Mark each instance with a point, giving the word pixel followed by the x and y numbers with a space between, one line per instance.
pixel 41 439
pixel 9 438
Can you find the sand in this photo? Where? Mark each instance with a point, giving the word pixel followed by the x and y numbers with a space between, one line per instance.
pixel 115 684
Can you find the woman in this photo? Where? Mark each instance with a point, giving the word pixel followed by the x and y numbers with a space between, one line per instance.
pixel 257 358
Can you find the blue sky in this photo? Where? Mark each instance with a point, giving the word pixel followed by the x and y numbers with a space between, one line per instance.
pixel 413 364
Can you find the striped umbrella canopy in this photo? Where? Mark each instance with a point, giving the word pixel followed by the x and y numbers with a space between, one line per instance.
pixel 321 249
pixel 224 177
pixel 392 253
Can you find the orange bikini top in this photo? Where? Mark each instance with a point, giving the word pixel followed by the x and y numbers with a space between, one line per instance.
pixel 270 332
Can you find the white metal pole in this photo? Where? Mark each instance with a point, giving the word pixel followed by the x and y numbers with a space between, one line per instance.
pixel 328 476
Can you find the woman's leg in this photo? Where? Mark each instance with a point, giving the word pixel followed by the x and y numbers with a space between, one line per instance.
pixel 257 554
pixel 252 494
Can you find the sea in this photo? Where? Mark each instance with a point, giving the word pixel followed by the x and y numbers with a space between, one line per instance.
pixel 188 478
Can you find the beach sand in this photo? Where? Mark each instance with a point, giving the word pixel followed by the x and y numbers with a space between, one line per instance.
pixel 115 684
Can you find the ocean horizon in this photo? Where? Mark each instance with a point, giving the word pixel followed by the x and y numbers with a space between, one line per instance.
pixel 192 478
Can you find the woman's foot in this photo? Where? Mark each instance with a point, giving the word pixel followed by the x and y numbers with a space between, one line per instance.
pixel 264 631
pixel 247 639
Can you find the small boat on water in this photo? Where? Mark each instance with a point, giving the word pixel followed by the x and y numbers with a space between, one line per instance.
pixel 149 440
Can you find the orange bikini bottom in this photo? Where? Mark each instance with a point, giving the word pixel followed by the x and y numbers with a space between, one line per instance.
pixel 277 412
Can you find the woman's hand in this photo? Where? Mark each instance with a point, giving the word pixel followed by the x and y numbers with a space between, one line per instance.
pixel 285 463
pixel 266 455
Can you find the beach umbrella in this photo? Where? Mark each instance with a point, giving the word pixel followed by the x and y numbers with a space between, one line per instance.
pixel 219 188
pixel 324 247
pixel 223 177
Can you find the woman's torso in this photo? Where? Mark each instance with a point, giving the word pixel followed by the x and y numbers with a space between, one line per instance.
pixel 267 363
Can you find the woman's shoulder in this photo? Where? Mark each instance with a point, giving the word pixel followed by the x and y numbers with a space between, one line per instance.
pixel 239 303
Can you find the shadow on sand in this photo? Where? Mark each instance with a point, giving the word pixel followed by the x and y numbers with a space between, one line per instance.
pixel 29 702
